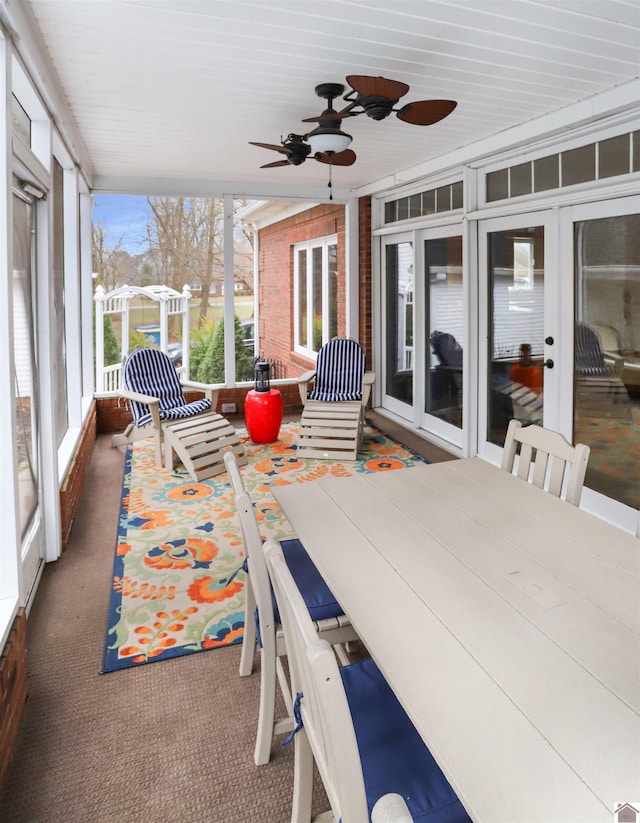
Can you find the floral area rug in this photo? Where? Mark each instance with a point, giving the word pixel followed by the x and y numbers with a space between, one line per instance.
pixel 178 582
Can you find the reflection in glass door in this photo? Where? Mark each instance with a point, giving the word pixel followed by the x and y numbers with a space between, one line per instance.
pixel 606 413
pixel 515 352
pixel 399 319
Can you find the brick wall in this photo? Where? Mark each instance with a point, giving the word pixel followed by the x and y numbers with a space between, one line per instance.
pixel 71 488
pixel 13 688
pixel 276 278
pixel 365 286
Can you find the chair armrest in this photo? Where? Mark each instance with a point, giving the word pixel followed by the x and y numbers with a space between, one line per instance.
pixel 206 388
pixel 139 398
pixel 149 400
pixel 303 384
pixel 367 381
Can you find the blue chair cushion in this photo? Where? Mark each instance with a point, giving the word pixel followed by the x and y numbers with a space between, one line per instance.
pixel 394 758
pixel 315 592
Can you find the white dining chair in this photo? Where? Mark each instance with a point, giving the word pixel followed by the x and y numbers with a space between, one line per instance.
pixel 262 628
pixel 546 459
pixel 373 763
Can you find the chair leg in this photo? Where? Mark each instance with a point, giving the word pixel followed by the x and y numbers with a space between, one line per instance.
pixel 123 438
pixel 266 712
pixel 157 446
pixel 168 455
pixel 302 779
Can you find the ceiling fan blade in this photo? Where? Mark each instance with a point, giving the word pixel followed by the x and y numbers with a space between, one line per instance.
pixel 341 158
pixel 275 164
pixel 426 112
pixel 282 149
pixel 377 86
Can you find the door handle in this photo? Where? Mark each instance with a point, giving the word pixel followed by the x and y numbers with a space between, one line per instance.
pixel 548 363
pixel 549 341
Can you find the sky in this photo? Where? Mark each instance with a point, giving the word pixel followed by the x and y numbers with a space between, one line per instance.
pixel 123 216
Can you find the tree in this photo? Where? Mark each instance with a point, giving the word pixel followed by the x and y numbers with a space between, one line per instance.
pixel 211 367
pixel 186 241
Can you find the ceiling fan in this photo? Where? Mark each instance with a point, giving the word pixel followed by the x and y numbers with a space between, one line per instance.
pixel 298 149
pixel 376 97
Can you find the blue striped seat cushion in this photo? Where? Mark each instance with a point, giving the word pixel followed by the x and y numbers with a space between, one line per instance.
pixel 150 371
pixel 339 371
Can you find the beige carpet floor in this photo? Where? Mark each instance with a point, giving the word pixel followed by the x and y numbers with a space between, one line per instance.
pixel 169 742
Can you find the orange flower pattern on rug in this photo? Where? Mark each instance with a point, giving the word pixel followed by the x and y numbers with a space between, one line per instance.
pixel 178 583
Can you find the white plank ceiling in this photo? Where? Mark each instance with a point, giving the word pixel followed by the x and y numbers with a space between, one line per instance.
pixel 177 88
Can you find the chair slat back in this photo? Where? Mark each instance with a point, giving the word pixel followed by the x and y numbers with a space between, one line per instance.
pixel 447 349
pixel 258 576
pixel 547 460
pixel 589 355
pixel 324 709
pixel 339 371
pixel 150 371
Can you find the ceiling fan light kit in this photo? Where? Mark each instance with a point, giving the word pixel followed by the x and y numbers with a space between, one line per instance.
pixel 328 139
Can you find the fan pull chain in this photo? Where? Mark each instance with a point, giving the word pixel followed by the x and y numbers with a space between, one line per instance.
pixel 329 184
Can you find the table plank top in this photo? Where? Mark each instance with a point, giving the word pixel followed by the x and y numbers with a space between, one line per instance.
pixel 506 621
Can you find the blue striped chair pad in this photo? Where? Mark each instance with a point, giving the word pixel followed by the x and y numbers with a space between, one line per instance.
pixel 339 371
pixel 151 372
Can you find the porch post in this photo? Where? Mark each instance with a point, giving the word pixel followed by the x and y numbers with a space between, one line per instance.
pixel 351 269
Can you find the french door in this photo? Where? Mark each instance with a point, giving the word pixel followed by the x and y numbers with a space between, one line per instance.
pixel 520 332
pixel 423 336
pixel 559 341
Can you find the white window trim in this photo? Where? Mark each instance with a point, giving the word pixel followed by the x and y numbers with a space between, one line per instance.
pixel 302 347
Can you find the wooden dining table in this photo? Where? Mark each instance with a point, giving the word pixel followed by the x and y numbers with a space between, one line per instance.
pixel 506 621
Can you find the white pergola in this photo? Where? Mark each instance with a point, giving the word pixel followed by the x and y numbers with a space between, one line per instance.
pixel 171 303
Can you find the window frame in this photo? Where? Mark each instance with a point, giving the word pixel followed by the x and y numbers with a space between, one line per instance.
pixel 305 347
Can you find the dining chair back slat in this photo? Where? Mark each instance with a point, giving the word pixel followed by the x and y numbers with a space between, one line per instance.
pixel 547 460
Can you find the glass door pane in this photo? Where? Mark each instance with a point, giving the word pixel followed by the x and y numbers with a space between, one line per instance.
pixel 516 307
pixel 444 313
pixel 398 316
pixel 25 364
pixel 606 414
pixel 26 392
